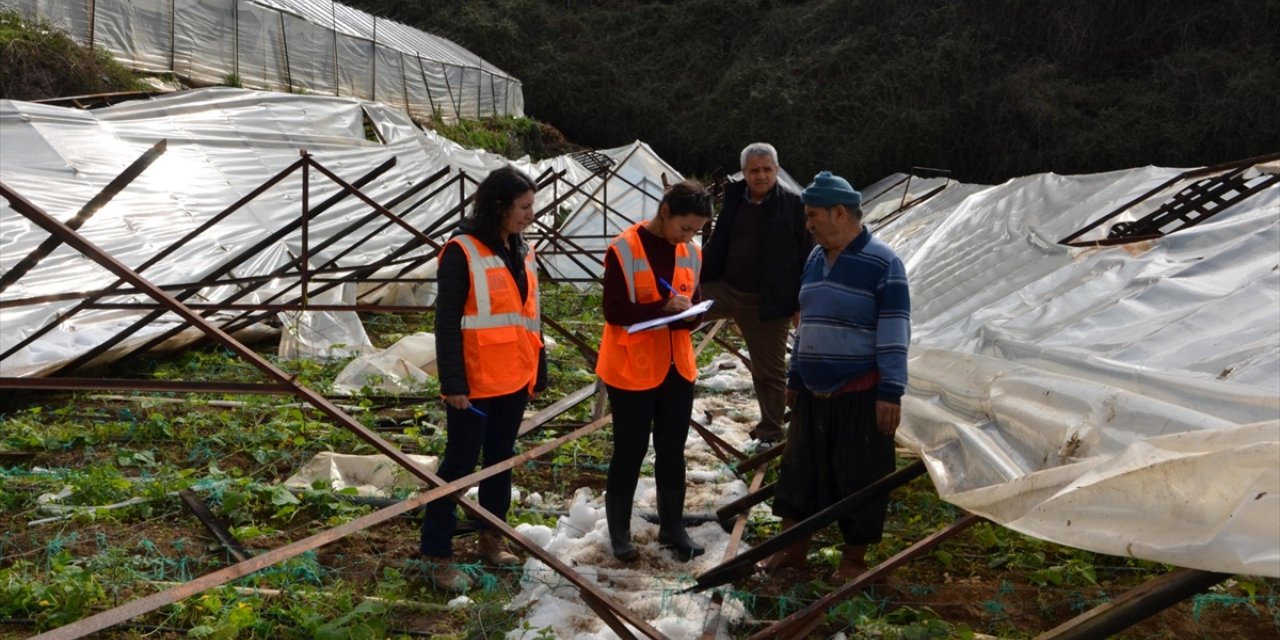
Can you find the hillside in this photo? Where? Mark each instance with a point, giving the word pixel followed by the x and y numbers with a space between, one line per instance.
pixel 988 89
pixel 41 62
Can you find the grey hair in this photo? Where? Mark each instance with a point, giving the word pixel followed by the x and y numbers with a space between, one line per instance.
pixel 759 149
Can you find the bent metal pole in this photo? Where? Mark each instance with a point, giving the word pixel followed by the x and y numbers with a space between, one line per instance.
pixel 608 609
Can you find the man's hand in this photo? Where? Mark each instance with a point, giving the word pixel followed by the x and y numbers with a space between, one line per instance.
pixel 458 401
pixel 888 415
pixel 791 396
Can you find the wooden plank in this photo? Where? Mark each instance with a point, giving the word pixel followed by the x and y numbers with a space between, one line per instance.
pixel 744 503
pixel 803 621
pixel 714 621
pixel 553 411
pixel 1135 605
pixel 734 569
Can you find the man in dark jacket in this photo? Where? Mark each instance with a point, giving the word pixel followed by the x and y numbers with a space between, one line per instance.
pixel 751 268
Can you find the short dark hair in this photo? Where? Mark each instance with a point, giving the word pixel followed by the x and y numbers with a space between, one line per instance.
pixel 494 197
pixel 687 197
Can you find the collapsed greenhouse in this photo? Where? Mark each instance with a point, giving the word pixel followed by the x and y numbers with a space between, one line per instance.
pixel 1094 361
pixel 294 46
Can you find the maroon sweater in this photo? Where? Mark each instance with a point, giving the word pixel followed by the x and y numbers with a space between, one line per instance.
pixel 618 307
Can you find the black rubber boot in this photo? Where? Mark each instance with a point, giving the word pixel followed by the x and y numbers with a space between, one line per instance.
pixel 671 532
pixel 618 513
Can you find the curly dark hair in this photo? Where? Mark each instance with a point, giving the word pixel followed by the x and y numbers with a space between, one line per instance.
pixel 687 197
pixel 494 197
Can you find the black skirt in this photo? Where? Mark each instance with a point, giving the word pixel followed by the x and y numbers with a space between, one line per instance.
pixel 833 451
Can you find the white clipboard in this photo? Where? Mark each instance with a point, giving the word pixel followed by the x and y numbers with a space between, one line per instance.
pixel 696 309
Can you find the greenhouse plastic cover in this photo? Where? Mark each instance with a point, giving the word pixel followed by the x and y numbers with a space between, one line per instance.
pixel 301 46
pixel 1122 399
pixel 223 143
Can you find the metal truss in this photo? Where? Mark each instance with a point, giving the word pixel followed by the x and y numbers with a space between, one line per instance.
pixel 235 314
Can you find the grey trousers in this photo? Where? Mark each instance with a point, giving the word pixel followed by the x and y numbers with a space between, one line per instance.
pixel 766 344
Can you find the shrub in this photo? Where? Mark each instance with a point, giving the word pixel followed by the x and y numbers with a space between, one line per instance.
pixel 40 61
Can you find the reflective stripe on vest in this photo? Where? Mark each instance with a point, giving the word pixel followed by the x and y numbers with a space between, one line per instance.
pixel 500 333
pixel 640 361
pixel 485 318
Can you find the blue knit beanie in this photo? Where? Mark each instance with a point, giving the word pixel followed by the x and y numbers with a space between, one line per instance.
pixel 828 190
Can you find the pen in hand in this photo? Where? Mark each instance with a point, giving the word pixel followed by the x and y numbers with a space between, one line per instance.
pixel 677 302
pixel 457 401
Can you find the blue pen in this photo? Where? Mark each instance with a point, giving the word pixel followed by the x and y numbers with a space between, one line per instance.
pixel 472 408
pixel 667 285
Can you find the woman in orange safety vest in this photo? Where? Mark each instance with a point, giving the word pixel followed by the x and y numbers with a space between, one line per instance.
pixel 651 270
pixel 490 359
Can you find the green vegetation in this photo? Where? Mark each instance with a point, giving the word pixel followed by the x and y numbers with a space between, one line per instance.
pixel 40 62
pixel 234 451
pixel 508 136
pixel 988 89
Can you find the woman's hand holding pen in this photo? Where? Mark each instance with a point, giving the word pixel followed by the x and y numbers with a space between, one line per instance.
pixel 676 303
pixel 463 403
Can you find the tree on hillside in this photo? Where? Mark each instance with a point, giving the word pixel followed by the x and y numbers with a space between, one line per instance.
pixel 987 88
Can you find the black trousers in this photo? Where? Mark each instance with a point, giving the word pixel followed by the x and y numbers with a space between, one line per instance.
pixel 663 411
pixel 834 450
pixel 469 435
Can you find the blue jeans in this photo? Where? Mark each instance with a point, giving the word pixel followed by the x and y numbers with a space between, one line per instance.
pixel 469 435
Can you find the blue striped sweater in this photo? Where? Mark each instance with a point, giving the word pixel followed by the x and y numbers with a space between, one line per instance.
pixel 855 318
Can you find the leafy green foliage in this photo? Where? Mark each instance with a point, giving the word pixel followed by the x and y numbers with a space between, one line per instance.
pixel 40 61
pixel 233 451
pixel 508 136
pixel 988 89
pixel 65 594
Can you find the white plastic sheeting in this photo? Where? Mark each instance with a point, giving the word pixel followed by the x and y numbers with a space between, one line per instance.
pixel 631 196
pixel 223 143
pixel 1124 400
pixel 397 369
pixel 371 476
pixel 304 46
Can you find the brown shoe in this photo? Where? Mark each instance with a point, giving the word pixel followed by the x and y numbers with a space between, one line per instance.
pixel 493 549
pixel 768 433
pixel 791 557
pixel 443 575
pixel 853 563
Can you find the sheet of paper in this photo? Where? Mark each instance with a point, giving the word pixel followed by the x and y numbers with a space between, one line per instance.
pixel 658 322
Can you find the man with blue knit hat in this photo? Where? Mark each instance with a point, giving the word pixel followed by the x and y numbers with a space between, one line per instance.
pixel 847 375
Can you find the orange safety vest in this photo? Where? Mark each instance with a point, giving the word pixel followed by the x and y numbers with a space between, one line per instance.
pixel 501 335
pixel 640 361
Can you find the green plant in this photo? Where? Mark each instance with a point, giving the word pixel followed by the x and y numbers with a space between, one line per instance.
pixel 510 136
pixel 41 61
pixel 219 620
pixel 1073 572
pixel 63 595
pixel 99 484
pixel 364 621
